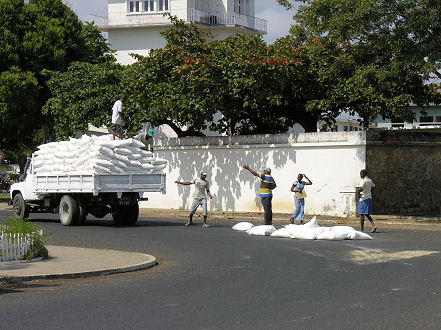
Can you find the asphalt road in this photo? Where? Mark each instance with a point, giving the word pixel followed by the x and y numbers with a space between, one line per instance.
pixel 216 278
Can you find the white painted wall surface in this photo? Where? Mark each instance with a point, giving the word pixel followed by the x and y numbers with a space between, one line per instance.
pixel 135 40
pixel 331 160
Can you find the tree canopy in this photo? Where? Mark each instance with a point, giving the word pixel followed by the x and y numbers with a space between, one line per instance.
pixel 250 87
pixel 391 52
pixel 37 35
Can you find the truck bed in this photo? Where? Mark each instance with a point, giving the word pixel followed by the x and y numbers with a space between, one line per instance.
pixel 99 183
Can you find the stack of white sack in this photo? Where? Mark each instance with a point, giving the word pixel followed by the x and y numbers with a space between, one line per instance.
pixel 312 230
pixel 100 155
pixel 309 231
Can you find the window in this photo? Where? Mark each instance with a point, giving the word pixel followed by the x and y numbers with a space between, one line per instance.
pixel 345 128
pixel 161 5
pixel 149 5
pixel 134 6
pixel 438 119
pixel 425 120
pixel 238 6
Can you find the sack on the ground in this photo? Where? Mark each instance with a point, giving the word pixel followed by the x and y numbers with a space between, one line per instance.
pixel 358 235
pixel 282 233
pixel 242 226
pixel 302 232
pixel 312 223
pixel 264 230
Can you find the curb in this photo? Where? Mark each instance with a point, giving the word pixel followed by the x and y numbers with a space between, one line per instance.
pixel 80 274
pixel 149 262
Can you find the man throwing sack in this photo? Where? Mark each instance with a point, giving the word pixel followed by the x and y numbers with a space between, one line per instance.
pixel 199 196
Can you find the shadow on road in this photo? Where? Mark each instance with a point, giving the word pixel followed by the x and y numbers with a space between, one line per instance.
pixel 108 222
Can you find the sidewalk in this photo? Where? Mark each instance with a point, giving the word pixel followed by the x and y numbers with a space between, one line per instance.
pixel 70 262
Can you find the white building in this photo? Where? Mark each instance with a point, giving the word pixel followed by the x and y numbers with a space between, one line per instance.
pixel 135 26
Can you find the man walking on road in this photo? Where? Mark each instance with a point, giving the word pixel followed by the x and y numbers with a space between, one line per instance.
pixel 117 117
pixel 267 184
pixel 199 197
pixel 365 203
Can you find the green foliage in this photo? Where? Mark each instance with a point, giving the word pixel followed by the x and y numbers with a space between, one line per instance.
pixel 37 35
pixel 389 52
pixel 254 87
pixel 24 227
pixel 83 94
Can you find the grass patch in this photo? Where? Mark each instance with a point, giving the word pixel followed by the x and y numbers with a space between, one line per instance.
pixel 4 197
pixel 24 227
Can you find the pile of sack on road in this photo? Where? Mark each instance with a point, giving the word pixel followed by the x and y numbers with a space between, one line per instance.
pixel 100 155
pixel 310 231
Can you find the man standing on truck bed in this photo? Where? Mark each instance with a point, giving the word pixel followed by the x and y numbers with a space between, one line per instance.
pixel 117 116
pixel 199 197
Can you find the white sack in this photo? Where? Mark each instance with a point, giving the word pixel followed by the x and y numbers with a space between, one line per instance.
pixel 312 223
pixel 158 161
pixel 264 230
pixel 136 143
pixel 242 226
pixel 123 151
pixel 333 235
pixel 303 232
pixel 358 235
pixel 282 233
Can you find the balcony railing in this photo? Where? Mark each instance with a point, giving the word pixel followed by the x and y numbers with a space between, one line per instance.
pixel 115 20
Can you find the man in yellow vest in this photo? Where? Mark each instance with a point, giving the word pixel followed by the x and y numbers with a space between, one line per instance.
pixel 267 184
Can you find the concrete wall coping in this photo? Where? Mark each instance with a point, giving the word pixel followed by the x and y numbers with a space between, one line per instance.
pixel 265 140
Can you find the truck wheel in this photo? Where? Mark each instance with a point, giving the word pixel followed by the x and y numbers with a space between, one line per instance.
pixel 118 215
pixel 125 214
pixel 69 211
pixel 20 207
pixel 82 211
pixel 132 214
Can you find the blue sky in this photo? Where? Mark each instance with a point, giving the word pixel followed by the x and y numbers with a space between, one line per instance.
pixel 278 18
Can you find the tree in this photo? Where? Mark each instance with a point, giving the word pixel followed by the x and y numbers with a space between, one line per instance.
pixel 255 88
pixel 391 52
pixel 37 35
pixel 83 94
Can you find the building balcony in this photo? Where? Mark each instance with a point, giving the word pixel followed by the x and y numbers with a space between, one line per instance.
pixel 141 19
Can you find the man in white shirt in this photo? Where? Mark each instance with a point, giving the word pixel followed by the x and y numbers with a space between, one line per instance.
pixel 199 197
pixel 117 117
pixel 365 203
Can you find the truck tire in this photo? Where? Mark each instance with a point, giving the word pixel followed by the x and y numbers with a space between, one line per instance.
pixel 82 211
pixel 69 211
pixel 132 214
pixel 20 207
pixel 125 214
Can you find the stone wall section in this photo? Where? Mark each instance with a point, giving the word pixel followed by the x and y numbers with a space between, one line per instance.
pixel 405 165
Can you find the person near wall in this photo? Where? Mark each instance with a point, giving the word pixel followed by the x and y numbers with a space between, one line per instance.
pixel 267 184
pixel 364 188
pixel 199 197
pixel 117 116
pixel 298 188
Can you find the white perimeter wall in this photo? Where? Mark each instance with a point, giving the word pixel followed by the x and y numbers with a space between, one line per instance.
pixel 331 160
